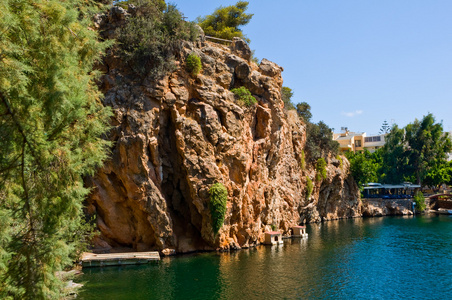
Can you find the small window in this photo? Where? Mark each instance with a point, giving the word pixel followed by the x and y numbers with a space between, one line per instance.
pixel 358 143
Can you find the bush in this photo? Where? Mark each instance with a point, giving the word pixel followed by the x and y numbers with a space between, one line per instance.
pixel 243 96
pixel 149 39
pixel 194 65
pixel 420 201
pixel 341 162
pixel 320 169
pixel 309 188
pixel 302 160
pixel 218 198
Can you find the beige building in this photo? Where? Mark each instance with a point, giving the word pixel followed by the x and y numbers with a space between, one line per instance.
pixel 358 141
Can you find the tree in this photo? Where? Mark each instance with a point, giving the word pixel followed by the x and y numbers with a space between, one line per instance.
pixel 364 166
pixel 225 21
pixel 51 120
pixel 286 96
pixel 319 141
pixel 439 173
pixel 394 168
pixel 304 111
pixel 428 146
pixel 416 153
pixel 385 128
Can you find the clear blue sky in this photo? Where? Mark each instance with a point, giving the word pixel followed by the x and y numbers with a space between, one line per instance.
pixel 357 63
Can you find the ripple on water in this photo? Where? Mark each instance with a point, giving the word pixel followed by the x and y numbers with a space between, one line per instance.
pixel 379 258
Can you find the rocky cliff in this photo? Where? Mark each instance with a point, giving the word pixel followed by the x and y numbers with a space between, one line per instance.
pixel 175 137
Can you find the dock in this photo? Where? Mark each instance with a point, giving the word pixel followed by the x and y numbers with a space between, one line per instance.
pixel 118 259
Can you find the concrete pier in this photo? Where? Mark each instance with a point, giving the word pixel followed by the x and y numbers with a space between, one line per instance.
pixel 118 259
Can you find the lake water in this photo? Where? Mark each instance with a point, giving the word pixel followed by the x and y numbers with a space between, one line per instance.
pixel 375 258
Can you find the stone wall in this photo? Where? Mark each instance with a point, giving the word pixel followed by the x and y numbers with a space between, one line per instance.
pixel 386 207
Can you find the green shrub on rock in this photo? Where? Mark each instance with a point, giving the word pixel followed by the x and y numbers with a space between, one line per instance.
pixel 341 162
pixel 302 160
pixel 320 169
pixel 309 188
pixel 244 97
pixel 194 64
pixel 218 198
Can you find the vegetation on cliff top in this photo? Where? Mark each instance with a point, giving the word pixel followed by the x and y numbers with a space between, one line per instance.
pixel 224 23
pixel 150 38
pixel 218 199
pixel 51 120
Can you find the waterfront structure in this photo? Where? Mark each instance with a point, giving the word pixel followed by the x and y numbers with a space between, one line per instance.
pixel 273 238
pixel 299 231
pixel 118 259
pixel 405 190
pixel 358 141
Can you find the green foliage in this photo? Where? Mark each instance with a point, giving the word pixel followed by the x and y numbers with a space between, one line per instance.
pixel 309 188
pixel 319 141
pixel 428 145
pixel 440 172
pixel 320 168
pixel 51 120
pixel 286 96
pixel 149 39
pixel 416 152
pixel 304 111
pixel 273 227
pixel 341 162
pixel 194 64
pixel 364 166
pixel 302 160
pixel 420 201
pixel 218 200
pixel 224 23
pixel 394 157
pixel 244 97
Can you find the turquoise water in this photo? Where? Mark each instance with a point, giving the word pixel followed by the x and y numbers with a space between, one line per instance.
pixel 375 258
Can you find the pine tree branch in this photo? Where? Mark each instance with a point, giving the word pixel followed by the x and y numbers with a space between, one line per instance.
pixel 21 131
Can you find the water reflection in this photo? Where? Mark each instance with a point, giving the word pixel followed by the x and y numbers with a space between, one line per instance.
pixel 361 258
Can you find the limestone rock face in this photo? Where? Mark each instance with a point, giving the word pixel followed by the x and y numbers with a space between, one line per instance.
pixel 336 197
pixel 386 207
pixel 175 137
